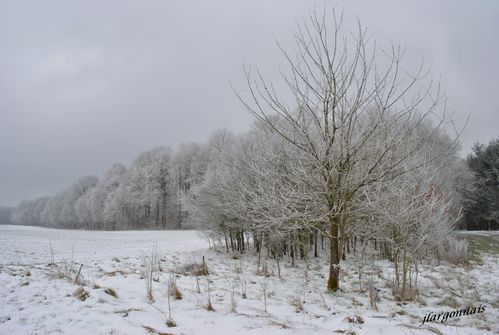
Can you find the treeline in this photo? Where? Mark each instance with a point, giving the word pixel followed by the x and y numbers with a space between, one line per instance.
pixel 5 214
pixel 145 195
pixel 350 152
pixel 481 199
pixel 261 193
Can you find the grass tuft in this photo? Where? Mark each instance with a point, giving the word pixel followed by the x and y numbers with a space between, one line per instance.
pixel 81 294
pixel 111 292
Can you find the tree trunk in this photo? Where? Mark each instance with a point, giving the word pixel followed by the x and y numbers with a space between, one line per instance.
pixel 315 243
pixel 334 257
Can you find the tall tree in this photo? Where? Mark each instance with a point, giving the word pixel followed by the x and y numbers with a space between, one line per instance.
pixel 345 98
pixel 481 205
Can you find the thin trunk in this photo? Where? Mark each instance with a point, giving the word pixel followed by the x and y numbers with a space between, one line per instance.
pixel 315 243
pixel 334 256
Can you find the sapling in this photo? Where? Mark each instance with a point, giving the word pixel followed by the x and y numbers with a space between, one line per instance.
pixel 150 264
pixel 209 306
pixel 170 322
pixel 263 284
pixel 243 289
pixel 233 301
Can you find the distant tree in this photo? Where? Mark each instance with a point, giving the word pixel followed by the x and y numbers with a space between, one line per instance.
pixel 108 182
pixel 5 214
pixel 481 200
pixel 145 196
pixel 189 165
pixel 29 212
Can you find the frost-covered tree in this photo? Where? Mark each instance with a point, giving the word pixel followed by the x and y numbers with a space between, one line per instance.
pixel 412 214
pixel 98 196
pixel 189 165
pixel 28 212
pixel 145 196
pixel 69 198
pixel 345 96
pixel 5 214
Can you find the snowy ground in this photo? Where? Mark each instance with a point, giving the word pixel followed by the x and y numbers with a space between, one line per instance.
pixel 36 296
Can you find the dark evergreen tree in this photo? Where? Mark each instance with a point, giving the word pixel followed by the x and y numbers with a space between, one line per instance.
pixel 481 202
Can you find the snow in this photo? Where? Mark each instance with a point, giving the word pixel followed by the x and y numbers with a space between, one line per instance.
pixel 34 300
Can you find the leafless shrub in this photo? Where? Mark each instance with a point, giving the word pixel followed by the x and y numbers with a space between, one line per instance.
pixel 454 251
pixel 264 286
pixel 233 301
pixel 209 306
pixel 373 295
pixel 150 266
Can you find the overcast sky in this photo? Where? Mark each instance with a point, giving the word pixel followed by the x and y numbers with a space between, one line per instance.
pixel 85 84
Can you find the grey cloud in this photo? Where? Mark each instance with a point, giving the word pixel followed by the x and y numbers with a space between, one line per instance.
pixel 84 84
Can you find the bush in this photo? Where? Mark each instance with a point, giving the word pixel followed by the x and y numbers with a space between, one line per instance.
pixel 454 251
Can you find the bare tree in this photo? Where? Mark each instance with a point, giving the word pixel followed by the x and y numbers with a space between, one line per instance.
pixel 350 112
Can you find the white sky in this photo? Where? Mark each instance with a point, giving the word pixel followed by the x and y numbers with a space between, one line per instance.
pixel 85 84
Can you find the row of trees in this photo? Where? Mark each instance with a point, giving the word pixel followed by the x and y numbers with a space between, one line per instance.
pixel 358 160
pixel 358 157
pixel 146 195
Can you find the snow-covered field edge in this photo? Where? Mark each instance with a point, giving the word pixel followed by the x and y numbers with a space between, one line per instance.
pixel 38 295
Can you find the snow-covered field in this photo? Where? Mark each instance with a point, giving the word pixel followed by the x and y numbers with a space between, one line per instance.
pixel 36 296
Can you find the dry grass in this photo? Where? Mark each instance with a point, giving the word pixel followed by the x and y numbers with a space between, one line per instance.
pixel 355 319
pixel 153 331
pixel 373 295
pixel 111 292
pixel 449 301
pixel 194 269
pixel 81 294
pixel 409 294
pixel 345 331
pixel 125 312
pixel 116 272
pixel 297 303
pixel 174 291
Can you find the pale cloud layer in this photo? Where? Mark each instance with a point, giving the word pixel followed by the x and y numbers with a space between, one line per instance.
pixel 84 84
